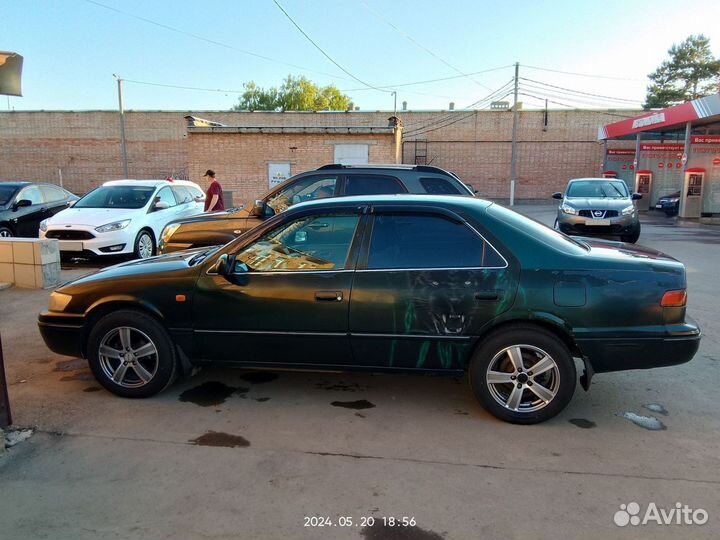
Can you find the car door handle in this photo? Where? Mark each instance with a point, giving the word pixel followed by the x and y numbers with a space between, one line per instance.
pixel 488 295
pixel 329 296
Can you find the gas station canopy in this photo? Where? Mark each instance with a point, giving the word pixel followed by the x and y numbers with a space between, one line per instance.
pixel 676 149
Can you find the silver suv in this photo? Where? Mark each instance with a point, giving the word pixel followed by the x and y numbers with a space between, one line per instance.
pixel 598 206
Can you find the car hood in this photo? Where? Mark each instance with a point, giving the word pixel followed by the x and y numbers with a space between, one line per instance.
pixel 154 268
pixel 92 217
pixel 598 203
pixel 214 216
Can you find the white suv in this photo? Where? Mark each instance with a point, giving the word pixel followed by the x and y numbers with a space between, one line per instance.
pixel 123 217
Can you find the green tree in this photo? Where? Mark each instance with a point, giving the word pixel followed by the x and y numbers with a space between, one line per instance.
pixel 295 94
pixel 691 72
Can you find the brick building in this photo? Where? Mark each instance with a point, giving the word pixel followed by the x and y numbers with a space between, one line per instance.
pixel 84 148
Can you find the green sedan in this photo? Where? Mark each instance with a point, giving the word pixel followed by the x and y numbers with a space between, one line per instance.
pixel 391 283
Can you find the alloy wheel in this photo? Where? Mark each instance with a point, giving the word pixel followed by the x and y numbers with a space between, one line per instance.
pixel 5 233
pixel 523 378
pixel 145 246
pixel 128 357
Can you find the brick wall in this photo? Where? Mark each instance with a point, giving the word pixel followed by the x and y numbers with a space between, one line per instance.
pixel 476 145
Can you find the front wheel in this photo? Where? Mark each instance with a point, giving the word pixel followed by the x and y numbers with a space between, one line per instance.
pixel 5 232
pixel 523 374
pixel 144 245
pixel 131 354
pixel 632 237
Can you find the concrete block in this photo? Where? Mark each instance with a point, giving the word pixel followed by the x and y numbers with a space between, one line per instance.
pixel 6 251
pixel 46 251
pixel 24 275
pixel 7 274
pixel 23 252
pixel 47 276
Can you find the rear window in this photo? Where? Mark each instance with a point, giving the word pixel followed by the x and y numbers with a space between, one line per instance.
pixel 438 186
pixel 370 184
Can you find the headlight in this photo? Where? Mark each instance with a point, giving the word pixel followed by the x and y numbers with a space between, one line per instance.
pixel 168 232
pixel 627 211
pixel 59 301
pixel 115 226
pixel 568 209
pixel 673 200
pixel 43 225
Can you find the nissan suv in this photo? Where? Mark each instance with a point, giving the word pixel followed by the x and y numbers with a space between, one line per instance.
pixel 327 181
pixel 598 206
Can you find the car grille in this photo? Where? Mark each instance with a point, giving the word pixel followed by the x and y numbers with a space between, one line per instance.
pixel 605 214
pixel 69 235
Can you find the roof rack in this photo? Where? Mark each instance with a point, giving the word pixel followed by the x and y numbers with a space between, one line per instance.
pixel 406 166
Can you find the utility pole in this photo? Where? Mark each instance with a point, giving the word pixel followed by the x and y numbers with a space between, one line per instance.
pixel 394 103
pixel 123 142
pixel 513 157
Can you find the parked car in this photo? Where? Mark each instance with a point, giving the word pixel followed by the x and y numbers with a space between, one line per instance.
pixel 670 204
pixel 23 205
pixel 123 217
pixel 412 284
pixel 598 206
pixel 327 181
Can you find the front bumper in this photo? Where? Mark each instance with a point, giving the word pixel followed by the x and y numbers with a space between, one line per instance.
pixel 677 344
pixel 585 226
pixel 111 243
pixel 62 333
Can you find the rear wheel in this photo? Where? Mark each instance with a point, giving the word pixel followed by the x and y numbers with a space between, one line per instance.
pixel 131 354
pixel 5 232
pixel 144 245
pixel 523 374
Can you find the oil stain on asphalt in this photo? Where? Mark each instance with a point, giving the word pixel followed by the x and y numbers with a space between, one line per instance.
pixel 218 438
pixel 210 393
pixel 379 531
pixel 71 365
pixel 259 377
pixel 83 375
pixel 646 422
pixel 582 423
pixel 359 404
pixel 340 386
pixel 92 389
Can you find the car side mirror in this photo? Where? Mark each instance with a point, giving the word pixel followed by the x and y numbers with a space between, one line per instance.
pixel 161 205
pixel 199 198
pixel 258 209
pixel 557 195
pixel 21 204
pixel 636 196
pixel 70 204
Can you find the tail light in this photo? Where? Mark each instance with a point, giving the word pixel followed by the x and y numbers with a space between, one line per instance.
pixel 674 298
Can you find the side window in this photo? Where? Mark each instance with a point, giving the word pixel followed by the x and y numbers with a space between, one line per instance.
pixel 371 184
pixel 166 195
pixel 320 242
pixel 31 193
pixel 426 241
pixel 53 194
pixel 182 194
pixel 305 189
pixel 439 186
pixel 196 193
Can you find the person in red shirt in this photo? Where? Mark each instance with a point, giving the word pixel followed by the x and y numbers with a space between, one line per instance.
pixel 214 201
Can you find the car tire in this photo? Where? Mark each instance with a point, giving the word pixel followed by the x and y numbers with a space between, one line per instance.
pixel 144 245
pixel 6 232
pixel 632 237
pixel 494 376
pixel 556 225
pixel 131 354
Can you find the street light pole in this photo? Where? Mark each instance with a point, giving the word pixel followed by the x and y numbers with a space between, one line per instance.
pixel 513 157
pixel 123 142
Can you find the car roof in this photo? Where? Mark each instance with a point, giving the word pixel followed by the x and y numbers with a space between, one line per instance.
pixel 148 183
pixel 14 184
pixel 392 166
pixel 593 179
pixel 402 199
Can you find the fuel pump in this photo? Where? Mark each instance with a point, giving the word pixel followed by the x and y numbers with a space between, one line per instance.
pixel 643 185
pixel 692 193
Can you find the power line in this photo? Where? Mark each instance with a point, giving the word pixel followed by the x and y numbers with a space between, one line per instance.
pixel 218 90
pixel 580 92
pixel 564 95
pixel 326 55
pixel 606 113
pixel 582 74
pixel 420 45
pixel 208 40
pixel 428 81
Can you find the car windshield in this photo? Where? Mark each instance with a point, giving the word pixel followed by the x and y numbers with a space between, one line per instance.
pixel 6 194
pixel 597 189
pixel 130 197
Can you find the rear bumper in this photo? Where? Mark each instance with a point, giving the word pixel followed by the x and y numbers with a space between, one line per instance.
pixel 675 346
pixel 62 333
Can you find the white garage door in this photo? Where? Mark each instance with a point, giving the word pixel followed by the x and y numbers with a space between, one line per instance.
pixel 351 154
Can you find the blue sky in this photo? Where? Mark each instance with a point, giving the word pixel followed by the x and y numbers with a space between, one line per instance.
pixel 72 48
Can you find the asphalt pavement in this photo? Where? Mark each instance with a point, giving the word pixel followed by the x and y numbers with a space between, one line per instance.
pixel 236 454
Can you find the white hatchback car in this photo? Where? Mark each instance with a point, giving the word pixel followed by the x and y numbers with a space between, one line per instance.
pixel 123 217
